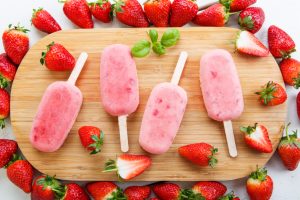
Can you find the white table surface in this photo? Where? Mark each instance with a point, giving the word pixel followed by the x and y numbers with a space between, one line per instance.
pixel 285 14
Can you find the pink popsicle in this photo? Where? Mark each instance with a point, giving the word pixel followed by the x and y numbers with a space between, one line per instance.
pixel 57 112
pixel 220 84
pixel 162 118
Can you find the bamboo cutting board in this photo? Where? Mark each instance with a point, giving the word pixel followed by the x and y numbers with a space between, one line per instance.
pixel 72 162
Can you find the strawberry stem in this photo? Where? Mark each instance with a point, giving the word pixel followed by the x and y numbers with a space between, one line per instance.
pixel 296 82
pixel 286 131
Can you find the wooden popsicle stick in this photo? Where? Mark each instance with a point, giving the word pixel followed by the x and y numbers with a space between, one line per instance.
pixel 230 138
pixel 179 67
pixel 78 67
pixel 123 133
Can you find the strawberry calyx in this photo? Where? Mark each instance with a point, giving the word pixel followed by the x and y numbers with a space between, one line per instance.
pixel 2 123
pixel 17 28
pixel 229 196
pixel 3 81
pixel 226 3
pixel 117 195
pixel 98 2
pixel 249 129
pixel 42 60
pixel 98 142
pixel 260 174
pixel 14 158
pixel 287 54
pixel 190 194
pixel 111 166
pixel 35 11
pixel 212 159
pixel 246 22
pixel 117 6
pixel 267 92
pixel 290 139
pixel 54 184
pixel 296 82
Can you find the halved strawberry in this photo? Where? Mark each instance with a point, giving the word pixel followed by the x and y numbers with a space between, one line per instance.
pixel 128 166
pixel 257 137
pixel 247 43
pixel 272 94
pixel 105 191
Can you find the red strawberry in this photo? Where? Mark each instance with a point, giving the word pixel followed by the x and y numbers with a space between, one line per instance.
pixel 182 12
pixel 46 188
pixel 201 154
pixel 57 58
pixel 105 191
pixel 4 106
pixel 74 192
pixel 280 43
pixel 247 43
pixel 154 198
pixel 259 185
pixel 272 94
pixel 289 150
pixel 237 5
pixel 158 12
pixel 229 196
pixel 290 69
pixel 137 192
pixel 171 191
pixel 130 12
pixel 7 71
pixel 20 172
pixel 252 19
pixel 128 166
pixel 257 137
pixel 7 149
pixel 298 105
pixel 78 12
pixel 101 10
pixel 215 15
pixel 16 43
pixel 210 190
pixel 91 138
pixel 43 21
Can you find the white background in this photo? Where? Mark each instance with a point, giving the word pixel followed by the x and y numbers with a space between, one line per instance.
pixel 284 14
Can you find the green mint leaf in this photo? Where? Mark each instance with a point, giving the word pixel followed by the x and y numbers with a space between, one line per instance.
pixel 141 49
pixel 170 37
pixel 153 34
pixel 158 48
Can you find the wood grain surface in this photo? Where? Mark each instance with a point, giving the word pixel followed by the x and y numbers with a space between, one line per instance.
pixel 72 162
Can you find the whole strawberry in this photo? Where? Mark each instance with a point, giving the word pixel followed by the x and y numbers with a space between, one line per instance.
pixel 202 154
pixel 7 71
pixel 16 43
pixel 237 5
pixel 91 138
pixel 289 150
pixel 229 196
pixel 78 12
pixel 7 149
pixel 172 191
pixel 57 58
pixel 257 137
pixel 105 191
pixel 46 188
pixel 74 192
pixel 210 190
pixel 281 45
pixel 247 43
pixel 182 12
pixel 215 15
pixel 101 10
pixel 128 166
pixel 137 192
pixel 158 12
pixel 4 106
pixel 252 19
pixel 43 21
pixel 20 173
pixel 272 94
pixel 290 70
pixel 130 12
pixel 259 185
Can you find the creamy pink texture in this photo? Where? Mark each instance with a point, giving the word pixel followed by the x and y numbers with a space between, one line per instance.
pixel 118 81
pixel 55 117
pixel 220 85
pixel 162 117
